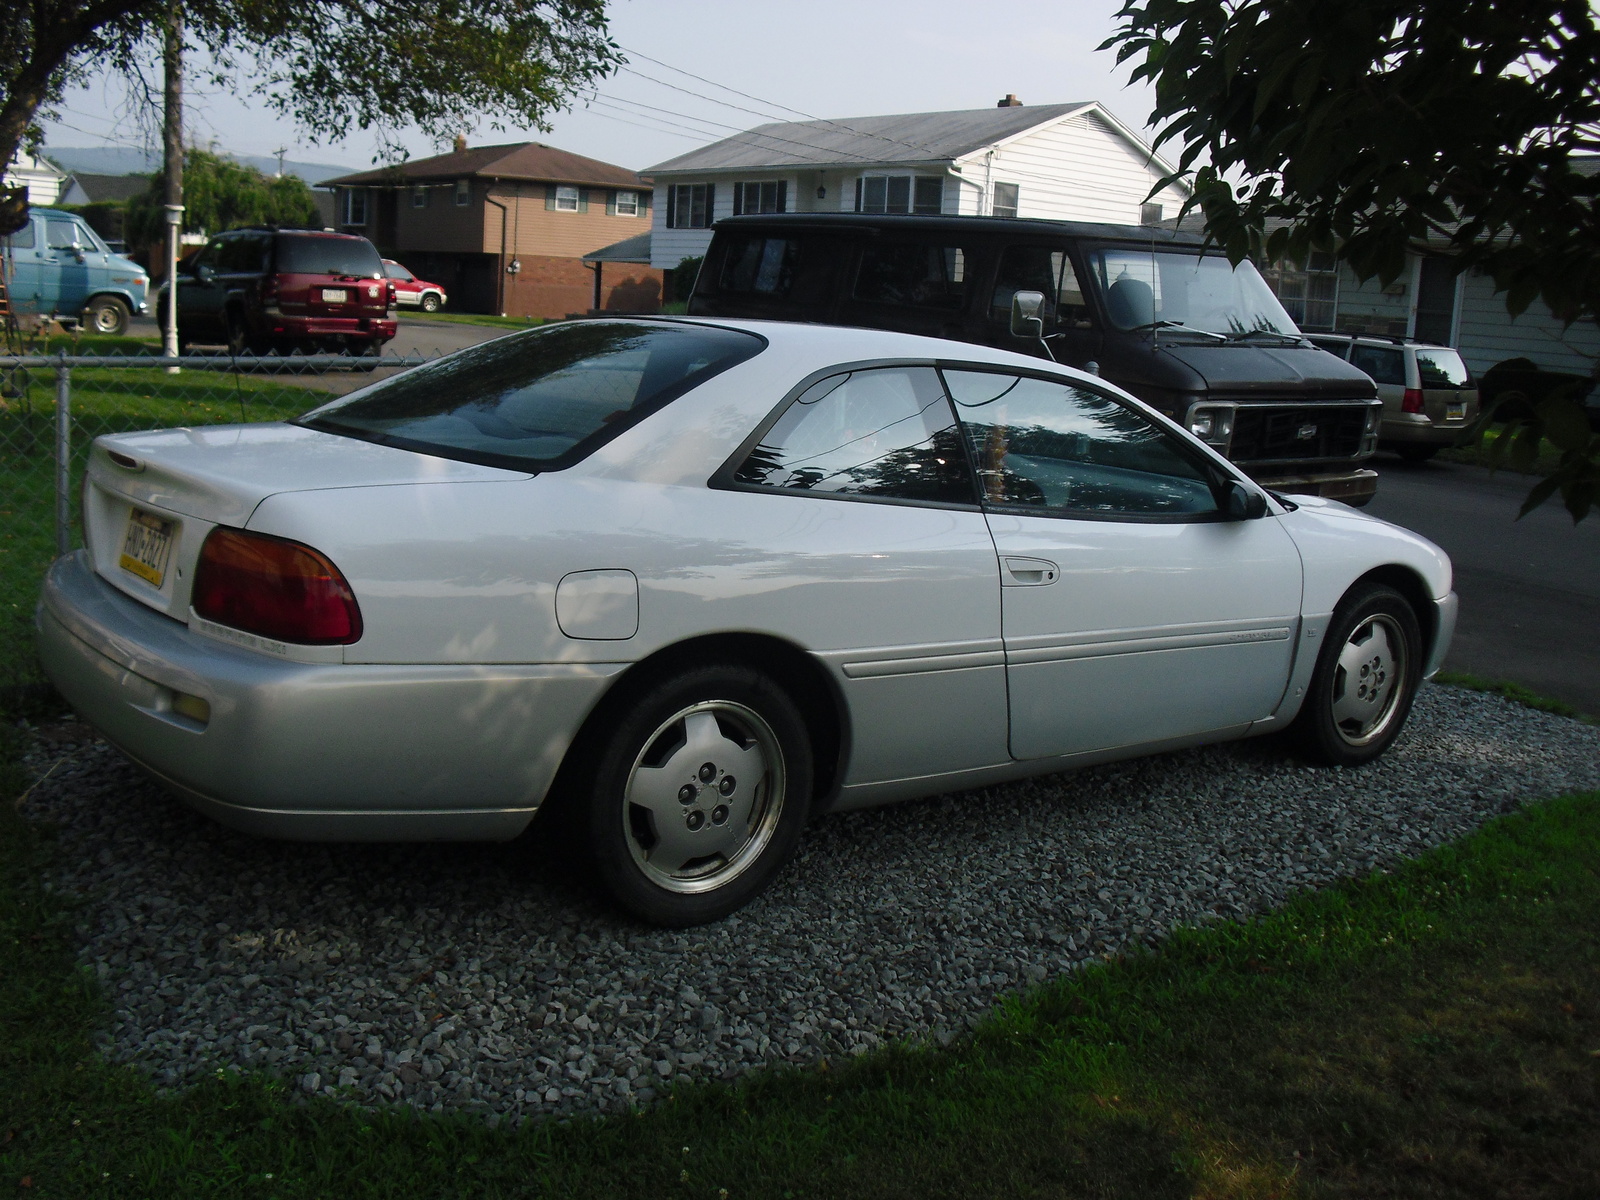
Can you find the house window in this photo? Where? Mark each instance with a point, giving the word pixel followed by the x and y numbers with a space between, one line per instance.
pixel 463 192
pixel 566 199
pixel 1150 214
pixel 920 194
pixel 1006 198
pixel 627 204
pixel 689 205
pixel 1309 292
pixel 419 197
pixel 355 206
pixel 769 196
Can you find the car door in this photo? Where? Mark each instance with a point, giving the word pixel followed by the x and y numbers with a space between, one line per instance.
pixel 861 488
pixel 1132 611
pixel 68 260
pixel 200 296
pixel 1072 331
pixel 23 253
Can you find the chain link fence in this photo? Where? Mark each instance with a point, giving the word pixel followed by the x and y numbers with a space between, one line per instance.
pixel 52 407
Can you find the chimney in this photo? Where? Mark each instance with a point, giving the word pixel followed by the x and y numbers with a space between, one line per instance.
pixel 1010 101
pixel 461 139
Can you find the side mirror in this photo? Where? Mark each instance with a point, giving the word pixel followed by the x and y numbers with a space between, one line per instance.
pixel 1027 314
pixel 77 251
pixel 1242 503
pixel 204 273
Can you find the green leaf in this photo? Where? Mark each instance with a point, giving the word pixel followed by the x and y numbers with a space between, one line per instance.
pixel 1541 492
pixel 1566 425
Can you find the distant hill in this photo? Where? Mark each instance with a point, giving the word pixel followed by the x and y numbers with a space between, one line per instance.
pixel 121 160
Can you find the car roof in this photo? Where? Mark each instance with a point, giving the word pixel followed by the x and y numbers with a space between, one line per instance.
pixel 867 223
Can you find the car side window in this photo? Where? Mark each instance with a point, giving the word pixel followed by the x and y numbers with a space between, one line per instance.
pixel 1040 269
pixel 913 275
pixel 241 255
pixel 207 257
pixel 22 239
pixel 1386 364
pixel 1058 449
pixel 886 433
pixel 61 235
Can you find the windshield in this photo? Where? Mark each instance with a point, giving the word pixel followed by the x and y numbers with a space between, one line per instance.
pixel 311 254
pixel 540 399
pixel 1442 369
pixel 1145 287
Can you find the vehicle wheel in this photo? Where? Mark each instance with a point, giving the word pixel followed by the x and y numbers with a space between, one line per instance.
pixel 1416 454
pixel 1366 677
pixel 107 314
pixel 431 302
pixel 699 794
pixel 238 336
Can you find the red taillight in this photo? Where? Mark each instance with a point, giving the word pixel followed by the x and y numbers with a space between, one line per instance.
pixel 1411 401
pixel 274 587
pixel 391 294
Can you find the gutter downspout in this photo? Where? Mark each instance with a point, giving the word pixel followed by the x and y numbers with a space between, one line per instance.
pixel 500 275
pixel 988 185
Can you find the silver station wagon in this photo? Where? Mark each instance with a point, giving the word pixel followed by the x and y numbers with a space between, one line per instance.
pixel 690 583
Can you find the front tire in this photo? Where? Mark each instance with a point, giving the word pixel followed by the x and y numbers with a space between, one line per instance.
pixel 431 302
pixel 699 794
pixel 1366 678
pixel 108 315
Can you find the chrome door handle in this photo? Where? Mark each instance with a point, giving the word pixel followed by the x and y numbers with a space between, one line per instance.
pixel 1028 572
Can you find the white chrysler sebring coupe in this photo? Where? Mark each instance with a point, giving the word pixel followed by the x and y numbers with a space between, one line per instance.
pixel 695 582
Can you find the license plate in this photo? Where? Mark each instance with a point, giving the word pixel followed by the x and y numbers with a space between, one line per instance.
pixel 1455 412
pixel 146 547
pixel 334 295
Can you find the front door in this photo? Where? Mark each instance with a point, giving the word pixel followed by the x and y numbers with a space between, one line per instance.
pixel 1132 611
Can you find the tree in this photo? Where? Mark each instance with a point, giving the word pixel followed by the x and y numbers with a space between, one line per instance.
pixel 219 194
pixel 1374 128
pixel 332 65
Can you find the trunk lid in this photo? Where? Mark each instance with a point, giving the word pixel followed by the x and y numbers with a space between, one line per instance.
pixel 151 498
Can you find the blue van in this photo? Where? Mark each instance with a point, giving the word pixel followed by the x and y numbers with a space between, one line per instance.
pixel 56 266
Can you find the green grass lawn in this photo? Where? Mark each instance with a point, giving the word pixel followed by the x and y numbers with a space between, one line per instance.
pixel 473 319
pixel 1430 1032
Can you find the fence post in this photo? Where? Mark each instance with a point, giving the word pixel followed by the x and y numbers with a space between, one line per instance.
pixel 63 455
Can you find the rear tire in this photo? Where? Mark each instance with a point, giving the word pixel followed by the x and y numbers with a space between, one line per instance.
pixel 107 315
pixel 1366 678
pixel 238 336
pixel 431 302
pixel 698 794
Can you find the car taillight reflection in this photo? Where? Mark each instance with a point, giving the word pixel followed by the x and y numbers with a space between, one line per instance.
pixel 1411 401
pixel 275 588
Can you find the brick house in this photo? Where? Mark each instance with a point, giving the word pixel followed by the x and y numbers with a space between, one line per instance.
pixel 504 229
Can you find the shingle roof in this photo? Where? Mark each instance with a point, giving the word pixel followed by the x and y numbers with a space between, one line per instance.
pixel 629 250
pixel 111 187
pixel 518 160
pixel 904 138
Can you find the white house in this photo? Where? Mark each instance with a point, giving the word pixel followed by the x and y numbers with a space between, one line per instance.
pixel 1073 162
pixel 46 182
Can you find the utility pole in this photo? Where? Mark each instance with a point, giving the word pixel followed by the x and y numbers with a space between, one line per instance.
pixel 173 201
pixel 280 152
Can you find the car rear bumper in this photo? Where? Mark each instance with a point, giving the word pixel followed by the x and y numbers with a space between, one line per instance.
pixel 279 325
pixel 1412 430
pixel 326 752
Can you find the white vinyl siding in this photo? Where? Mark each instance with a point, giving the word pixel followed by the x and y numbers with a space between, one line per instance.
pixel 1079 169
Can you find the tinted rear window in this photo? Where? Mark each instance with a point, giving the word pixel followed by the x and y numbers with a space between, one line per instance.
pixel 313 255
pixel 1442 369
pixel 913 275
pixel 542 399
pixel 1386 364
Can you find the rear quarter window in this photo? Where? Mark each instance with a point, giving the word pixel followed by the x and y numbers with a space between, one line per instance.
pixel 761 266
pixel 1386 364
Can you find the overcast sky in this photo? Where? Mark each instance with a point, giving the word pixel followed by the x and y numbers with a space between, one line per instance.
pixel 826 58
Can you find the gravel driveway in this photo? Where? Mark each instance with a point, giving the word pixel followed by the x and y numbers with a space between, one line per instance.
pixel 485 977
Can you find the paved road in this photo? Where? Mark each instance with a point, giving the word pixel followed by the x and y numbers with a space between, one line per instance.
pixel 417 335
pixel 1530 589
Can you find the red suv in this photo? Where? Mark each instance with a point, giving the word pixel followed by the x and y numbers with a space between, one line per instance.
pixel 409 291
pixel 262 289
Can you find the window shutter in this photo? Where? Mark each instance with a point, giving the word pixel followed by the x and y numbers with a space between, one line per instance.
pixel 611 203
pixel 711 204
pixel 783 195
pixel 550 197
pixel 672 206
pixel 858 193
pixel 647 201
pixel 583 199
pixel 738 199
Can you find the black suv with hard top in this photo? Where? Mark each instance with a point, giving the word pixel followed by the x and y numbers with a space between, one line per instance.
pixel 263 289
pixel 1156 312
